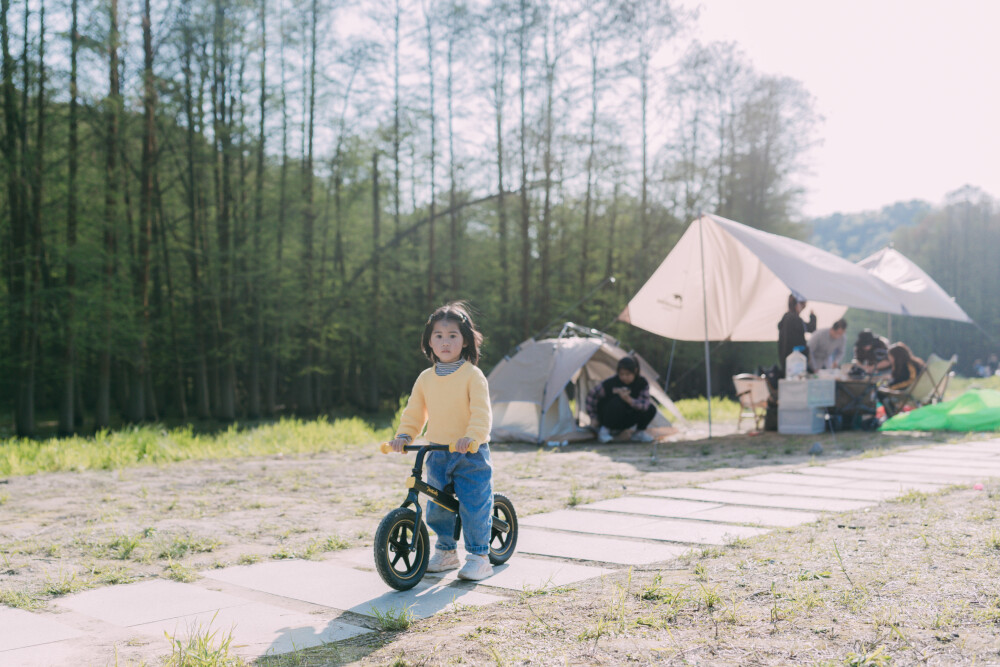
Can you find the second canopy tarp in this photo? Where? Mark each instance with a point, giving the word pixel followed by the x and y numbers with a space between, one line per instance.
pixel 745 275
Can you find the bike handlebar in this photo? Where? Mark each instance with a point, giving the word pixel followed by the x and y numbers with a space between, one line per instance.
pixel 386 448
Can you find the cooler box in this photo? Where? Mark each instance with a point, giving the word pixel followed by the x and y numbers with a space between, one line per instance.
pixel 801 422
pixel 802 394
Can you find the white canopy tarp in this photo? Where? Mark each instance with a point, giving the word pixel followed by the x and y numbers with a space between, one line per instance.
pixel 527 388
pixel 747 276
pixel 919 295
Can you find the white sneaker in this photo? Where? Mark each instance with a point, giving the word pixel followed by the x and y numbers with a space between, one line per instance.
pixel 476 568
pixel 641 436
pixel 442 561
pixel 604 435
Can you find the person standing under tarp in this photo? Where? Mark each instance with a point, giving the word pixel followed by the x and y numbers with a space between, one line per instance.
pixel 792 330
pixel 827 346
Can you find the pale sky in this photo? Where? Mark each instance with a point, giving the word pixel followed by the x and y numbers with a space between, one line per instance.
pixel 909 90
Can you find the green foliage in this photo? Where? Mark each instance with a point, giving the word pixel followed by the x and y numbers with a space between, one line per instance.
pixel 855 236
pixel 110 450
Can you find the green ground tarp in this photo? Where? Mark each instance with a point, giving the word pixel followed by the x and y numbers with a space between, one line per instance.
pixel 975 410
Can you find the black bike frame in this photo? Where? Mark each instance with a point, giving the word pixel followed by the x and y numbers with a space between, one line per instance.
pixel 442 497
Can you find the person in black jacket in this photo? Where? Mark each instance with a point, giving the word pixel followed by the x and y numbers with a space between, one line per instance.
pixel 792 330
pixel 622 402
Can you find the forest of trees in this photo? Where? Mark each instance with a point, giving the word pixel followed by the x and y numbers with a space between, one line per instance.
pixel 229 209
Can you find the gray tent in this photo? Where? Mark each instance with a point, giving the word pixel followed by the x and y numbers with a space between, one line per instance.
pixel 533 388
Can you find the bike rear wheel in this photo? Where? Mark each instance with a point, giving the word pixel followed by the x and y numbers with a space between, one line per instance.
pixel 399 565
pixel 502 542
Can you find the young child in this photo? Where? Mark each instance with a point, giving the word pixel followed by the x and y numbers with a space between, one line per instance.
pixel 453 400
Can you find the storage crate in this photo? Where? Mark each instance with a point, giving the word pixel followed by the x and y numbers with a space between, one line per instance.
pixel 804 421
pixel 801 394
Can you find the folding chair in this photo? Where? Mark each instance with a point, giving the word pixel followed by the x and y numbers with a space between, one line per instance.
pixel 928 388
pixel 752 393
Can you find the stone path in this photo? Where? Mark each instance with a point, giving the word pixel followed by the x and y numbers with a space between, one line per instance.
pixel 281 606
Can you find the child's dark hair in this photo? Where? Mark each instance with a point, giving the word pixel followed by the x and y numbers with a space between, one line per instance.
pixel 457 312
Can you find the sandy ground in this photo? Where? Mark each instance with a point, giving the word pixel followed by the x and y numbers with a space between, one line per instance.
pixel 63 532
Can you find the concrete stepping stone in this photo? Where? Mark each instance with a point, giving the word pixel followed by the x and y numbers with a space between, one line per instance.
pixel 764 500
pixel 523 574
pixel 702 511
pixel 781 489
pixel 146 602
pixel 256 629
pixel 897 465
pixel 947 462
pixel 763 516
pixel 797 478
pixel 518 573
pixel 665 507
pixel 21 629
pixel 624 525
pixel 599 549
pixel 339 587
pixel 881 475
pixel 66 652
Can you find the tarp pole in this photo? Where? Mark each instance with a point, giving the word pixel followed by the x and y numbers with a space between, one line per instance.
pixel 888 326
pixel 704 310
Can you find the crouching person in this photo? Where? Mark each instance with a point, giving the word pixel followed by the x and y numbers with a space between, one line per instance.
pixel 621 402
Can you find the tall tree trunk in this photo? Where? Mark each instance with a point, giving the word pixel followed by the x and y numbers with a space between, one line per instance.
pixel 376 302
pixel 25 417
pixel 201 391
pixel 307 392
pixel 226 405
pixel 254 398
pixel 588 203
pixel 545 230
pixel 67 421
pixel 111 213
pixel 456 232
pixel 499 78
pixel 274 352
pixel 141 363
pixel 17 286
pixel 431 259
pixel 525 212
pixel 161 239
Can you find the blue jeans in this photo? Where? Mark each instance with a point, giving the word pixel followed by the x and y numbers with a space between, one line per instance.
pixel 473 478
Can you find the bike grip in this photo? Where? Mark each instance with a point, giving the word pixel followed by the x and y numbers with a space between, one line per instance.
pixel 385 448
pixel 473 447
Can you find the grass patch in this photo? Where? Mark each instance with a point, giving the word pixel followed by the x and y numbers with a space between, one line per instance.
pixel 203 648
pixel 696 409
pixel 20 600
pixel 180 572
pixel 185 544
pixel 394 619
pixel 65 584
pixel 152 444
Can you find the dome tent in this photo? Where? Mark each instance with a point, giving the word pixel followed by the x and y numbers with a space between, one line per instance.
pixel 532 387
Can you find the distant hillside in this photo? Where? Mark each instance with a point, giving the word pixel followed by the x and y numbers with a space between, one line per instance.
pixel 854 236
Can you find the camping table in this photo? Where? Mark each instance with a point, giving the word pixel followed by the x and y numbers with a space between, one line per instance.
pixel 856 401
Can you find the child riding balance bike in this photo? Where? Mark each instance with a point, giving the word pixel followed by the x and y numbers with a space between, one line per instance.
pixel 452 399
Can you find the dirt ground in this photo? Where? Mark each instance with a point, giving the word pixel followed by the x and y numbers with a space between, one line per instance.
pixel 917 580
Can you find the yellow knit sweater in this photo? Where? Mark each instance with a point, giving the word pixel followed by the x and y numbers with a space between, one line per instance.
pixel 456 405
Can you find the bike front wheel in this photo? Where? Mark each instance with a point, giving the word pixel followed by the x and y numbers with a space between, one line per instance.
pixel 502 542
pixel 400 565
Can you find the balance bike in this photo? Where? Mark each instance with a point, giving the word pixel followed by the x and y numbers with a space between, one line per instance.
pixel 402 547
